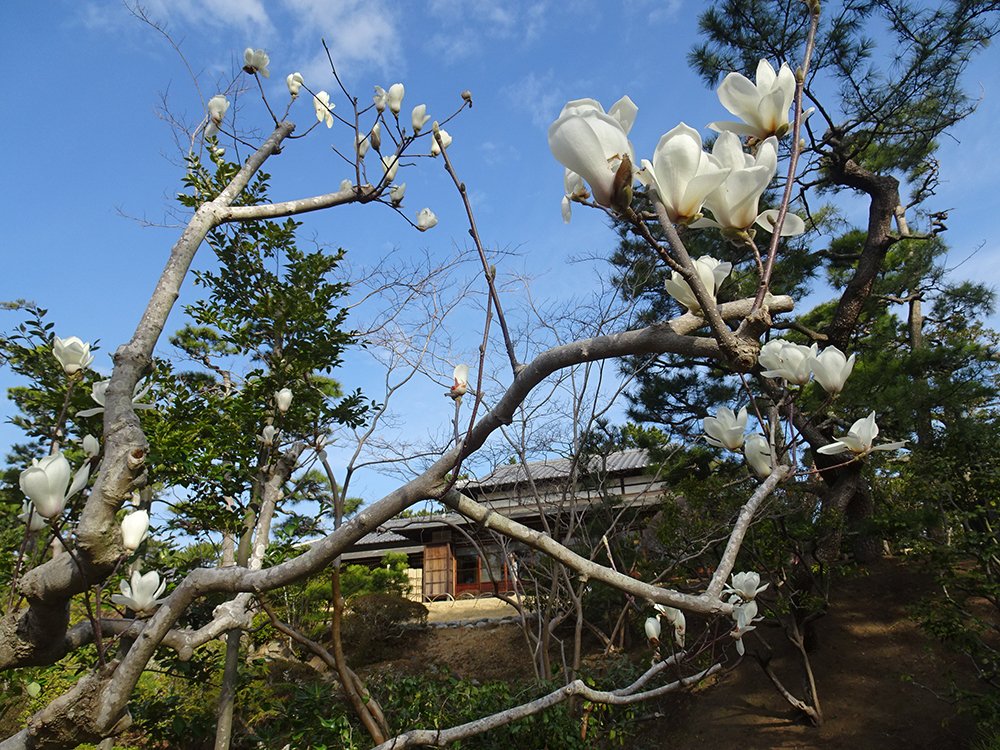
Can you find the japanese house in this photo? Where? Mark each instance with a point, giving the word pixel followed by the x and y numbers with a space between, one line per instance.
pixel 450 556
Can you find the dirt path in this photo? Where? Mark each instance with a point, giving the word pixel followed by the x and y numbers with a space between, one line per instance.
pixel 877 675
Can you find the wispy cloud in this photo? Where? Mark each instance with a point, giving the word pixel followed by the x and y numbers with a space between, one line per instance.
pixel 654 11
pixel 538 95
pixel 467 27
pixel 498 153
pixel 360 33
pixel 247 15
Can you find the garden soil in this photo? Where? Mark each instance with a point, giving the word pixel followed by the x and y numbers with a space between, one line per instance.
pixel 882 682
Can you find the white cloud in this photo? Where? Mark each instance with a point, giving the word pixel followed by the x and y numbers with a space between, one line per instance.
pixel 538 95
pixel 248 15
pixel 466 26
pixel 498 153
pixel 359 33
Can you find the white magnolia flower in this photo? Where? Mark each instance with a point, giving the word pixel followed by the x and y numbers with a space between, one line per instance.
pixel 725 429
pixel 73 354
pixel 256 61
pixel 746 585
pixel 419 117
pixel 792 226
pixel 379 98
pixel 783 359
pixel 445 139
pixel 763 107
pixel 135 526
pixel 394 98
pixel 90 446
pixel 575 190
pixel 268 435
pixel 859 439
pixel 376 136
pixel 426 219
pixel 295 82
pixel 99 391
pixel 324 110
pixel 396 193
pixel 143 592
pixel 390 163
pixel 217 107
pixel 757 452
pixel 283 399
pixel 594 143
pixel 682 174
pixel 460 381
pixel 676 618
pixel 361 145
pixel 744 614
pixel 831 368
pixel 734 203
pixel 712 273
pixel 653 629
pixel 46 483
pixel 28 515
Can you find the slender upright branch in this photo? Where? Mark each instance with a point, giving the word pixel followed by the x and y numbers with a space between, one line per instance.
pixel 488 271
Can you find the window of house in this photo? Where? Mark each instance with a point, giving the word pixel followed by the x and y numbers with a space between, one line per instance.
pixel 466 567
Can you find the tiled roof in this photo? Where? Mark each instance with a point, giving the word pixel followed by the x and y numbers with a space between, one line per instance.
pixel 559 468
pixel 379 538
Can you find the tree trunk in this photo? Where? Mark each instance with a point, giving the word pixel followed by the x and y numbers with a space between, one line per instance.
pixel 230 673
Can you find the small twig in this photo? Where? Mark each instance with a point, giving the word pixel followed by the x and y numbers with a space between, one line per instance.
pixel 488 271
pixel 772 250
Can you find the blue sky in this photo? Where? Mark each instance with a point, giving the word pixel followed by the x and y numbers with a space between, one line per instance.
pixel 89 152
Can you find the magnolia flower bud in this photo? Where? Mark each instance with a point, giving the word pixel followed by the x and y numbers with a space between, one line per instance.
pixel 390 163
pixel 361 145
pixel 217 107
pixel 757 452
pixel 376 136
pixel 467 97
pixel 45 483
pixel 426 219
pixel 394 98
pixel 294 81
pixel 445 140
pixel 90 446
pixel 73 354
pixel 396 193
pixel 134 528
pixel 419 118
pixel 283 399
pixel 653 629
pixel 460 384
pixel 379 98
pixel 831 368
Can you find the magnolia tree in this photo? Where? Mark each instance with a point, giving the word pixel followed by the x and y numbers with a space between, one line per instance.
pixel 666 201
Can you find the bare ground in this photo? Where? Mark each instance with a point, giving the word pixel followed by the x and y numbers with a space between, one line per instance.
pixel 879 677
